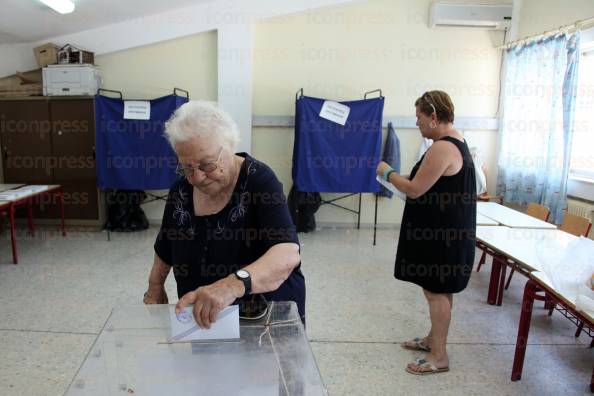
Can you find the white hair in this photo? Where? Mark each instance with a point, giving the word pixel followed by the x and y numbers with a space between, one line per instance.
pixel 199 118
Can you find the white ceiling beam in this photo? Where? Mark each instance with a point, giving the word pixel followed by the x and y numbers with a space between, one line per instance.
pixel 184 22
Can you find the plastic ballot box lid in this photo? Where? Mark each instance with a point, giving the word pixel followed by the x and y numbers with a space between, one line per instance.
pixel 133 355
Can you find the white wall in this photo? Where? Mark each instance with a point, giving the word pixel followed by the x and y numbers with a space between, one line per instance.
pixel 340 53
pixel 16 57
pixel 337 53
pixel 154 70
pixel 538 16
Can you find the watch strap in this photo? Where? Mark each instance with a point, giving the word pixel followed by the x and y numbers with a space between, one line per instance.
pixel 389 173
pixel 247 283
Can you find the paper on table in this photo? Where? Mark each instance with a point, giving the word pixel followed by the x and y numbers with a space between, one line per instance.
pixel 391 187
pixel 185 328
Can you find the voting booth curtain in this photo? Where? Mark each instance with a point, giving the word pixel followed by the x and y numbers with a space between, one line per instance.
pixel 133 154
pixel 335 158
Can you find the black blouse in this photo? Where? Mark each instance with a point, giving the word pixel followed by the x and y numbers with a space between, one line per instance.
pixel 204 249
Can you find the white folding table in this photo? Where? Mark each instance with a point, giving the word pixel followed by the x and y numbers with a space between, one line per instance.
pixel 517 247
pixel 482 220
pixel 510 217
pixel 538 283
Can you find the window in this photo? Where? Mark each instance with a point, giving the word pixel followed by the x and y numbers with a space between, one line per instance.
pixel 582 152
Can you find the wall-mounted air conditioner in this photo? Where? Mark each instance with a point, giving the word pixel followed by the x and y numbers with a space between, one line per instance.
pixel 484 16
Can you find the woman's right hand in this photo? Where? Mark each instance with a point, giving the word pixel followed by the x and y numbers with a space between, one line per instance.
pixel 156 296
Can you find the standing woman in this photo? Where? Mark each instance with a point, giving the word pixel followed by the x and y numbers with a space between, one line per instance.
pixel 437 237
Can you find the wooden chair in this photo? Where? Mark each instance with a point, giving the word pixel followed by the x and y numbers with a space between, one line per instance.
pixel 539 212
pixel 575 225
pixel 487 198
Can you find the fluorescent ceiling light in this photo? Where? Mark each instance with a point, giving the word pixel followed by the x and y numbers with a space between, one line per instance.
pixel 61 6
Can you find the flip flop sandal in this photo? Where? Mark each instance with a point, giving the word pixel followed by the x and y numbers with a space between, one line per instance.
pixel 425 364
pixel 417 345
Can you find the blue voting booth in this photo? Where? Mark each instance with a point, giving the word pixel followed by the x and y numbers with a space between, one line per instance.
pixel 338 156
pixel 334 158
pixel 133 154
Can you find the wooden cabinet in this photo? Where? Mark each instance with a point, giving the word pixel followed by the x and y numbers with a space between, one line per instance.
pixel 52 141
pixel 26 143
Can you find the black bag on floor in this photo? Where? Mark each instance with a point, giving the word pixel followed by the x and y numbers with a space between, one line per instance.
pixel 303 206
pixel 124 211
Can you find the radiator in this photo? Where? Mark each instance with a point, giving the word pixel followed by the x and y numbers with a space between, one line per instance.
pixel 581 208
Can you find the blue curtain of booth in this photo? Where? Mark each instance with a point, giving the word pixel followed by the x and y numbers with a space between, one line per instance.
pixel 134 154
pixel 329 157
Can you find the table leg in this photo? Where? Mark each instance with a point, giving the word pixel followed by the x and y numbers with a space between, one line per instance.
pixel 15 257
pixel 61 197
pixel 482 260
pixel 523 329
pixel 503 271
pixel 494 281
pixel 30 217
pixel 579 329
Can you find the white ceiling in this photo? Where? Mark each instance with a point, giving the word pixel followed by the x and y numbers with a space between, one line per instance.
pixel 24 21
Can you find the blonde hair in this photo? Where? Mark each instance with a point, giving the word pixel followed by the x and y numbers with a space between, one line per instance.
pixel 199 118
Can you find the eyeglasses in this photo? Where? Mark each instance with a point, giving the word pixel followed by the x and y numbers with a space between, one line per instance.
pixel 206 167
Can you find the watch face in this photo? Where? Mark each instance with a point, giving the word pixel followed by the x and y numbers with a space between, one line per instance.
pixel 243 274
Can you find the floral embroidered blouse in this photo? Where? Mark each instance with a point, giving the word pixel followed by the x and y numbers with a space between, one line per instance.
pixel 204 249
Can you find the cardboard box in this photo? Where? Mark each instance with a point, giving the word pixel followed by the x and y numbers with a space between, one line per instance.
pixel 46 54
pixel 22 84
pixel 69 54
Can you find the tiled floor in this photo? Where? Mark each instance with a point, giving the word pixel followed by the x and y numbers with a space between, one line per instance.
pixel 59 296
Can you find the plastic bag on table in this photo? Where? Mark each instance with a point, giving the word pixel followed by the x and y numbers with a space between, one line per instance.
pixel 585 294
pixel 569 268
pixel 585 298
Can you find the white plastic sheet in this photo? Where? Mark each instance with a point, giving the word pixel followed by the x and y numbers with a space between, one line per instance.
pixel 570 270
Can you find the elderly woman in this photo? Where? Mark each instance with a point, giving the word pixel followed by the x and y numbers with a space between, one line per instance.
pixel 226 228
pixel 437 237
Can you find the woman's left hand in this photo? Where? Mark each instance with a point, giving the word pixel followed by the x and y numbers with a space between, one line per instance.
pixel 210 300
pixel 381 168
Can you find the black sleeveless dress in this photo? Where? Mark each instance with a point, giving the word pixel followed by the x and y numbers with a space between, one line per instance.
pixel 437 237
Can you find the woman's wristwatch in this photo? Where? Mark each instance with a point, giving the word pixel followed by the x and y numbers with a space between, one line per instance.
pixel 245 277
pixel 387 173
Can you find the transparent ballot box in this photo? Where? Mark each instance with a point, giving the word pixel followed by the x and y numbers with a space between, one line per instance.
pixel 133 355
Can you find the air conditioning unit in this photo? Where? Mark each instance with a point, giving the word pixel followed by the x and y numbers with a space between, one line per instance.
pixel 484 16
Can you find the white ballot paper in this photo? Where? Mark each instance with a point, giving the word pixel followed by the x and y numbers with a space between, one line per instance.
pixel 335 112
pixel 137 110
pixel 391 187
pixel 185 328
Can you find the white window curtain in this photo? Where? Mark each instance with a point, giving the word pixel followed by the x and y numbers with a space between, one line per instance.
pixel 537 123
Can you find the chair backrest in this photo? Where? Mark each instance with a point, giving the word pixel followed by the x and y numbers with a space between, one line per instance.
pixel 576 225
pixel 538 211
